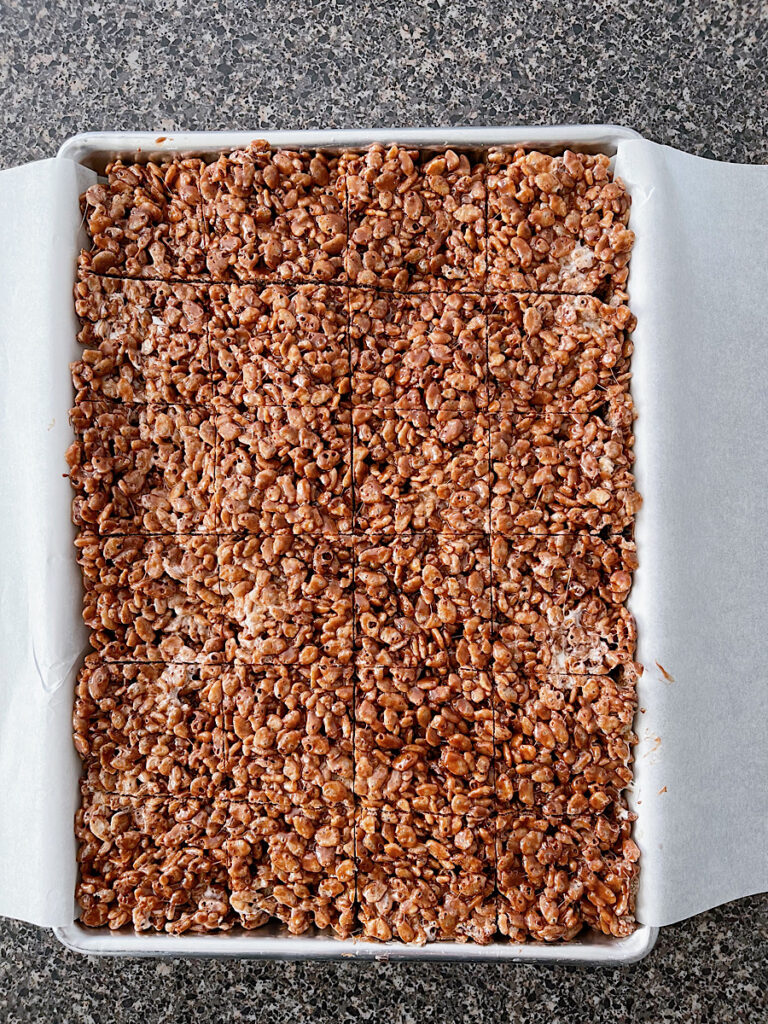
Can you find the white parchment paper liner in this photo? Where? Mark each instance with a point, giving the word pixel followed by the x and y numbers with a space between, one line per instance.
pixel 699 289
pixel 699 285
pixel 42 638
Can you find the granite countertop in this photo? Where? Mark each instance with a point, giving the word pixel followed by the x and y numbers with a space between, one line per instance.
pixel 691 73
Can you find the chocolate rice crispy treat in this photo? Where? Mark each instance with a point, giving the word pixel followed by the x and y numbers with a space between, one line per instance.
pixel 354 491
pixel 556 223
pixel 149 729
pixel 563 744
pixel 416 220
pixel 424 742
pixel 565 353
pixel 418 351
pixel 284 468
pixel 416 470
pixel 146 221
pixel 288 734
pixel 555 473
pixel 158 863
pixel 296 865
pixel 425 877
pixel 274 215
pixel 143 341
pixel 276 344
pixel 558 604
pixel 143 468
pixel 557 875
pixel 152 598
pixel 288 598
pixel 423 600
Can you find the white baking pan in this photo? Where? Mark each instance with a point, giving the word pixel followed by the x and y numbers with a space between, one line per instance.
pixel 698 277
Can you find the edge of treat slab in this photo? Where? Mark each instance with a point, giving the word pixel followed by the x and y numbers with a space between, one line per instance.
pixel 95 150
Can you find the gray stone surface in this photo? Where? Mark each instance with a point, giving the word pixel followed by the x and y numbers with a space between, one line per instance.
pixel 710 969
pixel 691 74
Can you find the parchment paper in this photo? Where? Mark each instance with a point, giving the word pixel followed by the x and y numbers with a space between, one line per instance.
pixel 42 637
pixel 699 285
pixel 699 288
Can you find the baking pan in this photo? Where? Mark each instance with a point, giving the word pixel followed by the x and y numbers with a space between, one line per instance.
pixel 45 268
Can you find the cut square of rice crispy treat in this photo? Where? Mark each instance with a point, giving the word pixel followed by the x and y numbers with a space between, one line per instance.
pixel 152 598
pixel 556 876
pixel 287 598
pixel 554 472
pixel 274 215
pixel 559 604
pixel 423 599
pixel 422 351
pixel 287 732
pixel 296 865
pixel 143 341
pixel 143 468
pixel 155 863
pixel 145 221
pixel 425 877
pixel 284 469
pixel 416 470
pixel 280 345
pixel 563 744
pixel 150 729
pixel 565 353
pixel 424 741
pixel 416 220
pixel 556 223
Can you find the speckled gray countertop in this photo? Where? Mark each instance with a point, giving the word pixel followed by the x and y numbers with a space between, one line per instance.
pixel 690 73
